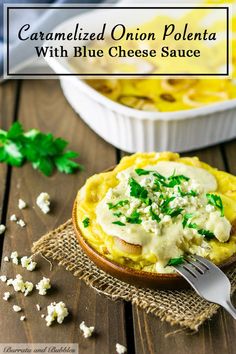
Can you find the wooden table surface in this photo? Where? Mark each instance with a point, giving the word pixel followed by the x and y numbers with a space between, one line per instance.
pixel 41 104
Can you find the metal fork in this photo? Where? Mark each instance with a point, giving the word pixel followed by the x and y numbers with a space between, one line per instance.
pixel 208 281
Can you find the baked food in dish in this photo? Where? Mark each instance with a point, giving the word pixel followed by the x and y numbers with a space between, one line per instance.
pixel 166 95
pixel 153 208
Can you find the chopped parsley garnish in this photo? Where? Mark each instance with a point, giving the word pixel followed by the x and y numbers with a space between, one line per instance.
pixel 165 204
pixel 186 218
pixel 192 225
pixel 134 218
pixel 165 209
pixel 137 191
pixel 175 180
pixel 157 187
pixel 142 172
pixel 121 203
pixel 216 201
pixel 159 176
pixel 45 152
pixel 86 222
pixel 161 180
pixel 179 178
pixel 118 214
pixel 154 216
pixel 174 212
pixel 185 221
pixel 206 233
pixel 175 261
pixel 171 181
pixel 118 223
pixel 191 193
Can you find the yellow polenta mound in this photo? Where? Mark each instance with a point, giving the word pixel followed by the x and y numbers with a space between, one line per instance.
pixel 154 208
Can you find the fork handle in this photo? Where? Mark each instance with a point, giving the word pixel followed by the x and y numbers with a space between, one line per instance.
pixel 228 306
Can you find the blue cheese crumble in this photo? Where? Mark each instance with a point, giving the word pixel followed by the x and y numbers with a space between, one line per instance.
pixel 56 312
pixel 43 286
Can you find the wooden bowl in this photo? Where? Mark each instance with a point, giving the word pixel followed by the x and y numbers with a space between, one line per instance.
pixel 132 276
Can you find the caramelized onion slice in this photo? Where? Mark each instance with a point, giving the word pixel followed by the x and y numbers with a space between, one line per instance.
pixel 127 247
pixel 167 97
pixel 138 102
pixel 106 87
pixel 193 97
pixel 175 85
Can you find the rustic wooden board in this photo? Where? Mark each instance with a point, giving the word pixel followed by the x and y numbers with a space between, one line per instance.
pixel 229 151
pixel 8 102
pixel 42 106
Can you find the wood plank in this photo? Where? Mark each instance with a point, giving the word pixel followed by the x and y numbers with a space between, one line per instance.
pixel 8 93
pixel 43 106
pixel 216 336
pixel 229 150
pixel 155 337
pixel 211 155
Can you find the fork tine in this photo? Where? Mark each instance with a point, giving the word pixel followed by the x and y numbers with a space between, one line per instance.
pixel 212 284
pixel 197 265
pixel 203 261
pixel 186 273
pixel 191 269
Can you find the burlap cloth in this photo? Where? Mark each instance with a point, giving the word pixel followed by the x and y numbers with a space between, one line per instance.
pixel 184 308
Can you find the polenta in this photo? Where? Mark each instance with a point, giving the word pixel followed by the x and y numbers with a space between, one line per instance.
pixel 154 208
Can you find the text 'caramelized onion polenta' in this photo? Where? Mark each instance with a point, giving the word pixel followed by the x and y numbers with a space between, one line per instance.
pixel 154 208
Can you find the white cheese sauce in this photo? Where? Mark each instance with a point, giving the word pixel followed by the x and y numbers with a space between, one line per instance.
pixel 167 238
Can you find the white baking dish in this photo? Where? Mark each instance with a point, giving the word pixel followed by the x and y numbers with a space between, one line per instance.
pixel 133 130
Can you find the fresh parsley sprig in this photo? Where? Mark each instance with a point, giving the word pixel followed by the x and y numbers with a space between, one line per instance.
pixel 86 222
pixel 206 233
pixel 186 219
pixel 142 172
pixel 166 210
pixel 175 261
pixel 118 214
pixel 164 206
pixel 44 151
pixel 191 193
pixel 154 216
pixel 121 203
pixel 134 218
pixel 175 180
pixel 174 212
pixel 11 144
pixel 139 192
pixel 168 182
pixel 216 201
pixel 119 223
